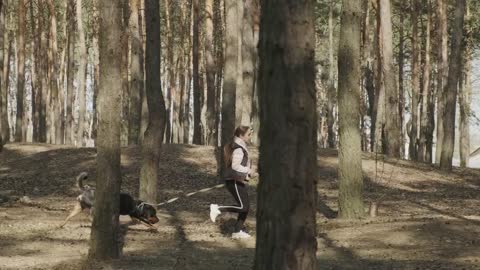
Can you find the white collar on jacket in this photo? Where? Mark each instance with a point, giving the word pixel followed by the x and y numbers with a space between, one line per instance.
pixel 240 142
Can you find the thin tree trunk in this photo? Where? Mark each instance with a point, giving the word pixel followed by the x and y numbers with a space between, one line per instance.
pixel 4 128
pixel 20 127
pixel 450 92
pixel 137 75
pixel 350 199
pixel 401 88
pixel 465 97
pixel 286 227
pixel 170 81
pixel 81 76
pixel 71 40
pixel 210 67
pixel 55 70
pixel 197 90
pixel 156 105
pixel 96 69
pixel 104 242
pixel 387 82
pixel 442 73
pixel 33 72
pixel 413 130
pixel 125 86
pixel 331 83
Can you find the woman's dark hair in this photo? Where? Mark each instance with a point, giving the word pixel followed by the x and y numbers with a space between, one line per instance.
pixel 228 148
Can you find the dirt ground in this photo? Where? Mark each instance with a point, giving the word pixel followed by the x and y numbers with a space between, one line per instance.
pixel 427 219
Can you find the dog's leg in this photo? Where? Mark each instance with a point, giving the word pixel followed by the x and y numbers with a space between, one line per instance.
pixel 76 210
pixel 144 223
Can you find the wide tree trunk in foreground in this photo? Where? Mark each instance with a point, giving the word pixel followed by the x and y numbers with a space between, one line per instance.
pixel 350 198
pixel 286 227
pixel 104 242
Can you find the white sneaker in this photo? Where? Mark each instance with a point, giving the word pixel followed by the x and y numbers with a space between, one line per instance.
pixel 240 235
pixel 214 212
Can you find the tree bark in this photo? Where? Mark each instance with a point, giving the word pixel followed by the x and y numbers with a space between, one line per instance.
pixel 197 90
pixel 413 132
pixel 249 53
pixel 156 105
pixel 81 75
pixel 450 92
pixel 331 95
pixel 350 174
pixel 465 97
pixel 286 196
pixel 4 128
pixel 96 69
pixel 71 40
pixel 20 125
pixel 387 83
pixel 426 128
pixel 442 73
pixel 125 86
pixel 137 75
pixel 55 101
pixel 230 77
pixel 401 88
pixel 210 68
pixel 104 242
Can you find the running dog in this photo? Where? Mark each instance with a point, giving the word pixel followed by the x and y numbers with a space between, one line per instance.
pixel 136 209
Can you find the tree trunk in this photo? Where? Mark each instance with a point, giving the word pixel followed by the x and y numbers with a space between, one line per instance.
pixel 350 199
pixel 210 68
pixel 387 83
pixel 230 77
pixel 286 227
pixel 156 105
pixel 401 88
pixel 249 52
pixel 4 128
pixel 331 80
pixel 425 124
pixel 81 76
pixel 239 89
pixel 197 90
pixel 171 88
pixel 20 126
pixel 71 40
pixel 33 72
pixel 465 97
pixel 125 86
pixel 137 75
pixel 54 71
pixel 96 69
pixel 450 92
pixel 104 242
pixel 413 145
pixel 442 73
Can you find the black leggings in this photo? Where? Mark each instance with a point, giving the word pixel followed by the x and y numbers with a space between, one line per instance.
pixel 240 194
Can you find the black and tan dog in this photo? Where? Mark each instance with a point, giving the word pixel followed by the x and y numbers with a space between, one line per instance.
pixel 136 209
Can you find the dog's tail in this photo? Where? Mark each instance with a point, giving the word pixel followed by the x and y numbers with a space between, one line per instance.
pixel 82 176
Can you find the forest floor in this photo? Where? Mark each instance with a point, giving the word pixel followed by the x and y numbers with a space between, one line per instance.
pixel 427 219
